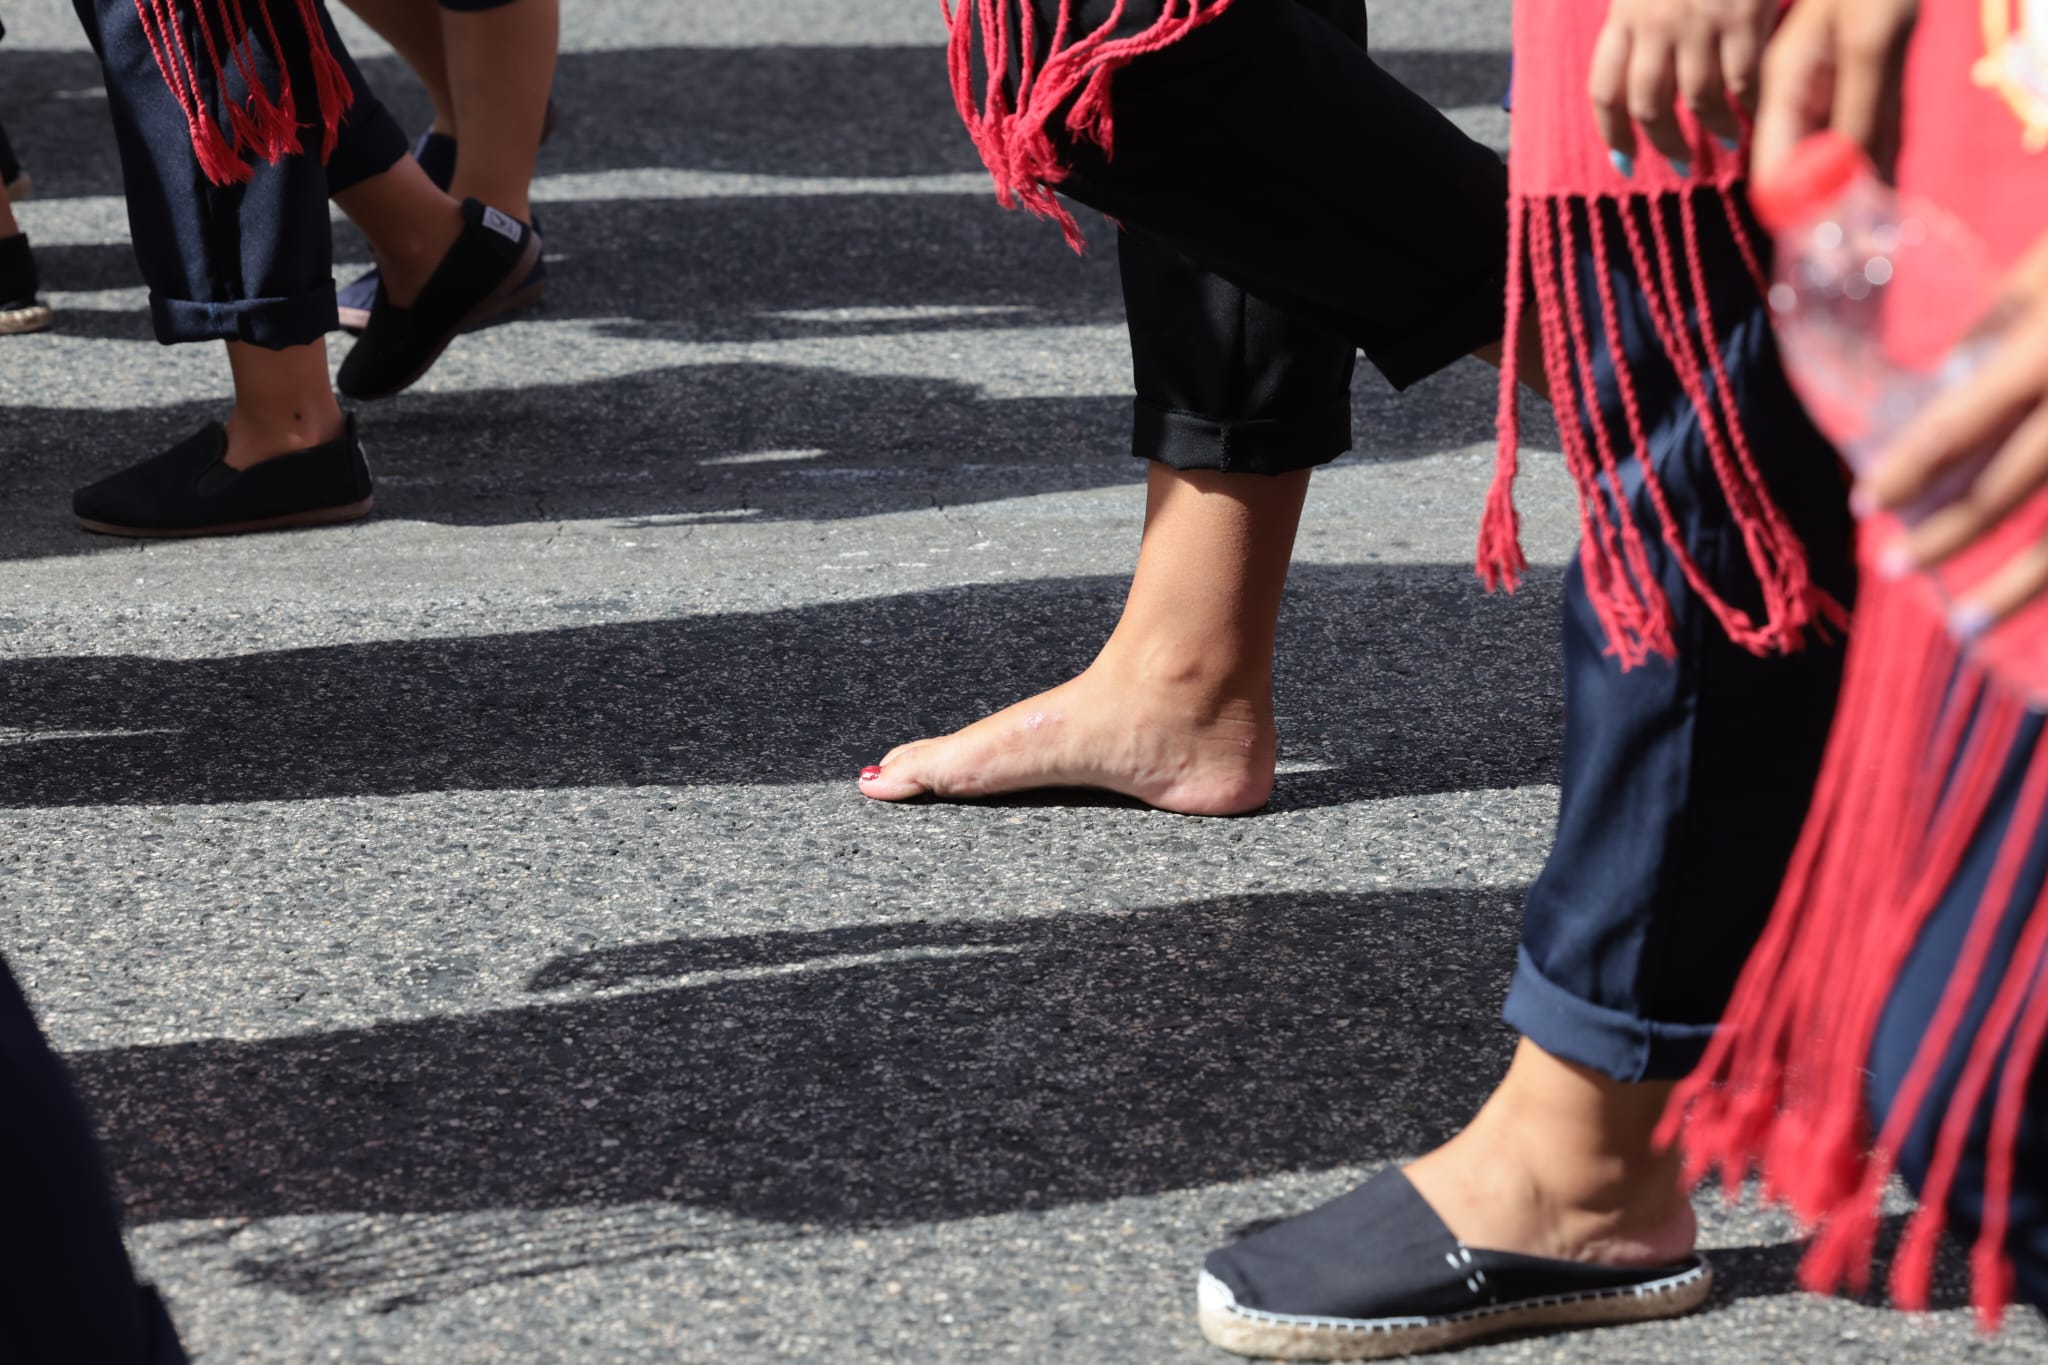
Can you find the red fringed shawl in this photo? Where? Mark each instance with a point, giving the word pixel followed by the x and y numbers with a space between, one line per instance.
pixel 1920 742
pixel 1009 121
pixel 1558 164
pixel 259 124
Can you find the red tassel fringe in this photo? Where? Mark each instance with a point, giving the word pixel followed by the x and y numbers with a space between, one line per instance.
pixel 1626 595
pixel 1920 741
pixel 260 125
pixel 1010 128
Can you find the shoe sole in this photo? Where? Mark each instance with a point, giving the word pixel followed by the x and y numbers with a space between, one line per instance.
pixel 1284 1336
pixel 506 296
pixel 322 516
pixel 354 320
pixel 15 321
pixel 21 187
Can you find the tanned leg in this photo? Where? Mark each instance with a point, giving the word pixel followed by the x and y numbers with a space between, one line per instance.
pixel 413 28
pixel 501 68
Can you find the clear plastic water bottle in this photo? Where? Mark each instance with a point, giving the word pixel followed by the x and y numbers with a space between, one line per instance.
pixel 1880 301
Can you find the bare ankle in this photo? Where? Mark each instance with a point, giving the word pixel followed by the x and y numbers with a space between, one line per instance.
pixel 1561 1162
pixel 253 438
pixel 1191 672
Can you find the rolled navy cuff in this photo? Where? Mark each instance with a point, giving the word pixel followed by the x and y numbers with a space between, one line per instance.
pixel 274 323
pixel 1618 1044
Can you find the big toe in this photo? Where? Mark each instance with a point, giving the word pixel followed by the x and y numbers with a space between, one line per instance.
pixel 901 751
pixel 893 779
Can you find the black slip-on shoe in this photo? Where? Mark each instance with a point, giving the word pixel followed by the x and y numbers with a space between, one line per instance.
pixel 189 490
pixel 1376 1273
pixel 436 154
pixel 482 275
pixel 353 302
pixel 20 309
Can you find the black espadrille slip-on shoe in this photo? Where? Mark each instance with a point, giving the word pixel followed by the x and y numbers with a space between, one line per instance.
pixel 190 490
pixel 20 309
pixel 1375 1274
pixel 483 275
pixel 436 154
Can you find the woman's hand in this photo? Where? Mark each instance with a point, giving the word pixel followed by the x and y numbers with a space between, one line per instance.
pixel 1834 64
pixel 2003 409
pixel 1654 54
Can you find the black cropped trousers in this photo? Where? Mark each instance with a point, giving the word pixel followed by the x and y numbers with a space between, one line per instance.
pixel 1245 363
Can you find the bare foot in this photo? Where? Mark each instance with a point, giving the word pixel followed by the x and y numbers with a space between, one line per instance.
pixel 1559 1164
pixel 1176 745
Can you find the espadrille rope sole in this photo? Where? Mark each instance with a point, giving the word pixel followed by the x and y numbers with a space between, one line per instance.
pixel 1286 1336
pixel 33 318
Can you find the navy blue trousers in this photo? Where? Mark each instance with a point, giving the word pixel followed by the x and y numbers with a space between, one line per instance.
pixel 252 262
pixel 68 1295
pixel 1686 781
pixel 1912 1007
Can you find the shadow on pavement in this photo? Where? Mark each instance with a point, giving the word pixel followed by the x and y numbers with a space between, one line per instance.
pixel 1405 680
pixel 1758 1271
pixel 906 1074
pixel 729 268
pixel 791 111
pixel 768 1086
pixel 815 444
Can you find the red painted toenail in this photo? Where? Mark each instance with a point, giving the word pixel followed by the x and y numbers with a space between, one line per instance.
pixel 870 773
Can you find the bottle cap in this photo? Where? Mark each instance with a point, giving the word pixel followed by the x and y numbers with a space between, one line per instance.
pixel 1813 177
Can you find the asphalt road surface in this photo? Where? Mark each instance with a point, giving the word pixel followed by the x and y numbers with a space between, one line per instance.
pixel 465 924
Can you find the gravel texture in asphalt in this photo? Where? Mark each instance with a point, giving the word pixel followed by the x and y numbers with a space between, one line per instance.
pixel 465 925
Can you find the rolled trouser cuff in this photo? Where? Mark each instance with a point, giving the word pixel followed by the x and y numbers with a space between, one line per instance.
pixel 1622 1046
pixel 1266 445
pixel 276 323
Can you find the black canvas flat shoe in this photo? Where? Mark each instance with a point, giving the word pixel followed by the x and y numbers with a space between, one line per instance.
pixel 484 274
pixel 436 154
pixel 353 303
pixel 20 309
pixel 1375 1274
pixel 189 490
